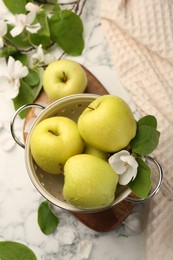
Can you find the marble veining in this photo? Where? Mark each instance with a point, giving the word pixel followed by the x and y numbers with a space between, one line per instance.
pixel 19 200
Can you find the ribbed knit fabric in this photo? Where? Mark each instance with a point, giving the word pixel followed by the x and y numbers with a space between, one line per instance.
pixel 140 36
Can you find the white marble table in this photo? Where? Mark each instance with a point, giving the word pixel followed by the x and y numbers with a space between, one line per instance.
pixel 19 200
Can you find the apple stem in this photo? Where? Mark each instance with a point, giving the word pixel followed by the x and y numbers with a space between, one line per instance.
pixel 52 132
pixel 64 77
pixel 80 105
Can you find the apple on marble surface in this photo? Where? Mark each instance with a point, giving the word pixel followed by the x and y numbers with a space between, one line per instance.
pixel 107 124
pixel 62 78
pixel 90 181
pixel 53 141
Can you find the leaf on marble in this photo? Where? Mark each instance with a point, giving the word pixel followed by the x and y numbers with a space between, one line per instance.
pixel 15 250
pixel 43 35
pixel 25 96
pixel 16 6
pixel 27 93
pixel 66 29
pixel 20 41
pixel 32 78
pixel 47 220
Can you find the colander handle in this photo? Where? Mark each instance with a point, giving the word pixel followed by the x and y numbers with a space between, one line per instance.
pixel 155 191
pixel 12 129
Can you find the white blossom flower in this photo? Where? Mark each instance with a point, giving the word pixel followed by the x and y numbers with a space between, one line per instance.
pixel 32 7
pixel 10 82
pixel 40 58
pixel 23 21
pixel 3 31
pixel 125 165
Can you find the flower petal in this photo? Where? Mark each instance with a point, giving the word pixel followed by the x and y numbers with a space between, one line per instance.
pixel 3 80
pixel 125 165
pixel 130 160
pixel 30 18
pixel 21 19
pixel 33 28
pixel 16 30
pixel 1 42
pixel 32 7
pixel 9 85
pixel 40 57
pixel 20 71
pixel 23 72
pixel 8 88
pixel 48 58
pixel 20 24
pixel 10 65
pixel 118 167
pixel 3 28
pixel 3 66
pixel 9 18
pixel 16 70
pixel 127 176
pixel 40 53
pixel 116 156
pixel 117 164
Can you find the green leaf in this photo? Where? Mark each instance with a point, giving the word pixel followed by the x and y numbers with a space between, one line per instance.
pixel 141 185
pixel 66 30
pixel 148 120
pixel 32 79
pixel 36 90
pixel 25 96
pixel 51 8
pixel 7 51
pixel 146 140
pixel 21 57
pixel 46 218
pixel 43 35
pixel 16 6
pixel 51 1
pixel 20 41
pixel 15 251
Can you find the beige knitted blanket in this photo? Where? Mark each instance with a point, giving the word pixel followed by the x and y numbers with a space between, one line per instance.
pixel 140 35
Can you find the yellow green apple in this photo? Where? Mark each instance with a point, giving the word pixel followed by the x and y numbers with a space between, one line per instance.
pixel 94 151
pixel 90 182
pixel 53 141
pixel 107 124
pixel 62 78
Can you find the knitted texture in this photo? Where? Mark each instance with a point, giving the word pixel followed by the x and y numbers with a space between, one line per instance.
pixel 140 36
